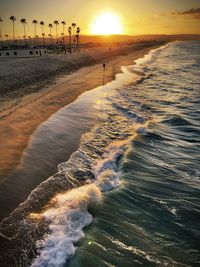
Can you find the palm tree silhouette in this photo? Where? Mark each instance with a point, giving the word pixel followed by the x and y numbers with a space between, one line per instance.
pixel 74 37
pixel 36 38
pixel 42 28
pixel 56 23
pixel 30 43
pixel 43 37
pixel 23 21
pixel 74 26
pixel 78 38
pixel 70 39
pixel 13 19
pixel 6 36
pixel 50 28
pixel 35 22
pixel 50 36
pixel 63 33
pixel 50 33
pixel 1 37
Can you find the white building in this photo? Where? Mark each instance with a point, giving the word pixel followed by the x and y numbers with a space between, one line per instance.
pixel 29 52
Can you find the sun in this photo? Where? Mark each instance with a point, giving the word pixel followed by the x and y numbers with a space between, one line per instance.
pixel 106 23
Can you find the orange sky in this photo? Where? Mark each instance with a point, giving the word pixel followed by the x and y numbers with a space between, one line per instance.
pixel 135 16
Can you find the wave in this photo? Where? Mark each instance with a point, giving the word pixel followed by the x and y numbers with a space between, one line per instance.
pixel 149 257
pixel 176 120
pixel 66 219
pixel 67 214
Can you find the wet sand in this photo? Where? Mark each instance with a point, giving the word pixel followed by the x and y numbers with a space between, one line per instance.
pixel 20 117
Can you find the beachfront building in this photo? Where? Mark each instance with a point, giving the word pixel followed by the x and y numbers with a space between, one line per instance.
pixel 23 53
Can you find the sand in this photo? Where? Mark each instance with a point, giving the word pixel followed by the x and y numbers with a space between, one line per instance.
pixel 20 115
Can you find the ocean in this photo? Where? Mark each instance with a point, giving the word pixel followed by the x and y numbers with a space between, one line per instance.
pixel 129 195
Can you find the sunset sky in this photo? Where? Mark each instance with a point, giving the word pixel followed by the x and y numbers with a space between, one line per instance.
pixel 133 16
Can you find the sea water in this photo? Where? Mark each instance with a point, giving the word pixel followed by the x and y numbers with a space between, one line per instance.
pixel 129 195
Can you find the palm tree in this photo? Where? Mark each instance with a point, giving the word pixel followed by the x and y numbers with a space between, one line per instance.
pixel 70 39
pixel 6 36
pixel 13 18
pixel 56 23
pixel 74 26
pixel 36 40
pixel 78 30
pixel 50 33
pixel 42 28
pixel 63 33
pixel 23 21
pixel 74 38
pixel 1 32
pixel 35 22
pixel 50 28
pixel 43 37
pixel 30 43
pixel 77 38
pixel 50 36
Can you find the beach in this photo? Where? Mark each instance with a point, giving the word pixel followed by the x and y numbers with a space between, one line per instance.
pixel 125 186
pixel 47 86
pixel 100 133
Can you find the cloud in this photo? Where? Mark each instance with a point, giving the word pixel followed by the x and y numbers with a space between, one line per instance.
pixel 192 13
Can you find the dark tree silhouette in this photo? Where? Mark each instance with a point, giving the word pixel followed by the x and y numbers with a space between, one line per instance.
pixel 78 38
pixel 23 21
pixel 13 19
pixel 6 36
pixel 74 26
pixel 50 28
pixel 74 37
pixel 43 34
pixel 50 33
pixel 1 37
pixel 56 23
pixel 63 33
pixel 36 37
pixel 43 38
pixel 70 39
pixel 35 22
pixel 30 43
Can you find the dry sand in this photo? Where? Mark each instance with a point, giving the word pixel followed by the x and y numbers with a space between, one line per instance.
pixel 20 116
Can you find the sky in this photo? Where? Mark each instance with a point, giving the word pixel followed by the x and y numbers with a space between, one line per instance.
pixel 135 16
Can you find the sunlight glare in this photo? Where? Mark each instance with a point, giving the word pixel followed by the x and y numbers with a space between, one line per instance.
pixel 106 23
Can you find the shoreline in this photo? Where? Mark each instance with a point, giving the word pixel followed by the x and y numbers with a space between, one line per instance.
pixel 22 76
pixel 21 117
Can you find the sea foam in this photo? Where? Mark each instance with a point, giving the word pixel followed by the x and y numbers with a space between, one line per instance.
pixel 67 214
pixel 67 218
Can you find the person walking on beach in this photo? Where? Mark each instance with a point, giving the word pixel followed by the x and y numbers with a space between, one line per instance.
pixel 104 69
